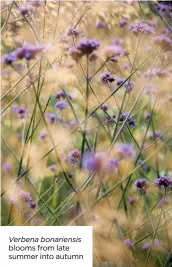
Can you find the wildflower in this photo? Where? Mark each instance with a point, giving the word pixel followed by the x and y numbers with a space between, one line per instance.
pixel 36 221
pixel 23 10
pixel 113 52
pixel 164 181
pixel 126 150
pixel 142 185
pixel 25 196
pixel 144 167
pixel 7 167
pixel 119 81
pixel 132 123
pixel 10 58
pixel 32 204
pixel 129 244
pixel 73 32
pixel 87 46
pixel 129 85
pixel 51 118
pixel 28 51
pixel 104 107
pixel 102 25
pixel 21 111
pixel 163 41
pixel 43 135
pixel 52 168
pixel 61 105
pixel 141 28
pixel 147 116
pixel 74 156
pixel 162 202
pixel 94 162
pixel 107 77
pixel 123 22
pixel 132 201
pixel 75 53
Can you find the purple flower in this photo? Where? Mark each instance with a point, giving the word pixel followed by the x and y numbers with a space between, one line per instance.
pixel 73 32
pixel 28 51
pixel 126 150
pixel 74 156
pixel 147 116
pixel 51 118
pixel 104 107
pixel 162 202
pixel 87 46
pixel 142 184
pixel 164 181
pixel 129 85
pixel 132 201
pixel 112 165
pixel 163 41
pixel 129 244
pixel 132 123
pixel 61 105
pixel 119 81
pixel 21 111
pixel 52 168
pixel 107 77
pixel 43 135
pixel 7 167
pixel 101 25
pixel 144 167
pixel 9 58
pixel 23 10
pixel 141 28
pixel 123 22
pixel 32 204
pixel 75 53
pixel 25 196
pixel 94 162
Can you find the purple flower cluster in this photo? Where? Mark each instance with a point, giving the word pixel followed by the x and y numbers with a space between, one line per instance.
pixel 129 244
pixel 164 182
pixel 61 94
pixel 141 28
pixel 123 22
pixel 142 185
pixel 74 156
pixel 129 85
pixel 163 41
pixel 107 77
pixel 51 117
pixel 131 122
pixel 26 197
pixel 61 105
pixel 87 46
pixel 27 51
pixel 126 150
pixel 52 168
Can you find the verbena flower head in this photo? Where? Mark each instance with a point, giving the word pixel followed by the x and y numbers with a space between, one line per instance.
pixel 28 51
pixel 162 202
pixel 119 81
pixel 7 167
pixel 94 162
pixel 107 77
pixel 163 41
pixel 52 168
pixel 129 244
pixel 32 205
pixel 147 116
pixel 132 201
pixel 51 118
pixel 75 53
pixel 142 184
pixel 23 10
pixel 25 196
pixel 141 28
pixel 104 107
pixel 10 58
pixel 129 85
pixel 74 156
pixel 132 123
pixel 126 150
pixel 144 167
pixel 73 32
pixel 22 112
pixel 43 135
pixel 164 182
pixel 87 46
pixel 61 105
pixel 123 22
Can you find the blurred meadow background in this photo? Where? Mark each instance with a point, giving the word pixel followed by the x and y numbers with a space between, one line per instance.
pixel 86 96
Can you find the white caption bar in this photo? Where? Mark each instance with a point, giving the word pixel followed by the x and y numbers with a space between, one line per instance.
pixel 41 245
